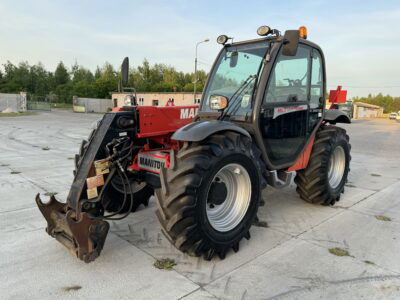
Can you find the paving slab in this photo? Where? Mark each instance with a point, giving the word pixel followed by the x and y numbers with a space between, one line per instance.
pixel 18 194
pixel 199 294
pixel 372 178
pixel 147 236
pixel 364 236
pixel 21 222
pixel 43 269
pixel 385 203
pixel 286 212
pixel 300 270
pixel 288 259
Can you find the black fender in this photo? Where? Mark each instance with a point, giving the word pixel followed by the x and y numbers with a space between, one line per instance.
pixel 334 116
pixel 200 130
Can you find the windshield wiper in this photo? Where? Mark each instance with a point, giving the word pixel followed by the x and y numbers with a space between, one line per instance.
pixel 233 102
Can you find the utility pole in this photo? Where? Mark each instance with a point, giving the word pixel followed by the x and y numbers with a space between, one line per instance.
pixel 195 69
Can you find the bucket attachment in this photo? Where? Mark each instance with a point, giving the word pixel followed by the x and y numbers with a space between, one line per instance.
pixel 81 234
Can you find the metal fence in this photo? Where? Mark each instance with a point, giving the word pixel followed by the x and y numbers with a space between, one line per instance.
pixel 38 102
pixel 38 105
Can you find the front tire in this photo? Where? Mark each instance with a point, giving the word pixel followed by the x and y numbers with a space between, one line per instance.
pixel 323 181
pixel 210 197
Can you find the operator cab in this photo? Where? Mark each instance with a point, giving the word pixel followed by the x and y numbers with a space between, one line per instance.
pixel 274 87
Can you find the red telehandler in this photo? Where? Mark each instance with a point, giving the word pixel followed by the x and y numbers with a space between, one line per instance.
pixel 261 122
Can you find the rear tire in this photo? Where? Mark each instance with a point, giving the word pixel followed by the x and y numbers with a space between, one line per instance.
pixel 210 196
pixel 322 182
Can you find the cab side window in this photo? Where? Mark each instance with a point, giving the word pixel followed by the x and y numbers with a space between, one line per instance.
pixel 317 84
pixel 289 81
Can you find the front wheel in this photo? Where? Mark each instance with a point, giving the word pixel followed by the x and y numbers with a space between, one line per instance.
pixel 322 182
pixel 210 197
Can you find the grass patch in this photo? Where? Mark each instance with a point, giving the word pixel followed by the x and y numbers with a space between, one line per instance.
pixel 15 172
pixel 67 106
pixel 70 158
pixel 368 262
pixel 383 218
pixel 375 175
pixel 165 264
pixel 72 288
pixel 259 223
pixel 50 194
pixel 45 148
pixel 350 185
pixel 4 165
pixel 16 114
pixel 339 251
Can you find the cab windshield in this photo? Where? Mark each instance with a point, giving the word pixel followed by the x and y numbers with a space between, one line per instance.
pixel 234 76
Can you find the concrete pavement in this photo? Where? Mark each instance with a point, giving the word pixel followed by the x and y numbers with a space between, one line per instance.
pixel 288 259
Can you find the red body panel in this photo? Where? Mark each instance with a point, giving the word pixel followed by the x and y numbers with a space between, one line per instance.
pixel 302 161
pixel 155 120
pixel 158 124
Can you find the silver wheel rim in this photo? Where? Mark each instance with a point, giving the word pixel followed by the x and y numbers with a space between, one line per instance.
pixel 230 213
pixel 337 164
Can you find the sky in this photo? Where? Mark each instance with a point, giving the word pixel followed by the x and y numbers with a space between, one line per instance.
pixel 360 39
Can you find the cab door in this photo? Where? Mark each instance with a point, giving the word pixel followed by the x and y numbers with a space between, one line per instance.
pixel 285 111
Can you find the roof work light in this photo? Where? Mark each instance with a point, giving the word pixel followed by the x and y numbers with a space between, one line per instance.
pixel 222 39
pixel 263 30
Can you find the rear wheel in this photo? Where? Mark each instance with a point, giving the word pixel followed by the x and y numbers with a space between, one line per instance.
pixel 114 194
pixel 323 180
pixel 209 198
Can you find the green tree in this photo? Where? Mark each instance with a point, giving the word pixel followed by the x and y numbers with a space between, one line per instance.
pixel 107 82
pixel 61 75
pixel 62 84
pixel 389 103
pixel 41 81
pixel 16 78
pixel 64 93
pixel 97 73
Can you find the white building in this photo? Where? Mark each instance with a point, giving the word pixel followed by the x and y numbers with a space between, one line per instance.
pixel 363 110
pixel 158 99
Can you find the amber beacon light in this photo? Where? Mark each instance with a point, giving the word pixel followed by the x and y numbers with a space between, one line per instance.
pixel 303 32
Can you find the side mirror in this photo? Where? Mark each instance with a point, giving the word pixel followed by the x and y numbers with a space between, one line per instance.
pixel 125 71
pixel 234 59
pixel 290 42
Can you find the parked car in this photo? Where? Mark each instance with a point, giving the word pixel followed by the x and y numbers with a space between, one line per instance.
pixel 393 116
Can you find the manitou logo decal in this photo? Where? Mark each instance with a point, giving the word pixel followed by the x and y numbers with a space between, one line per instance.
pixel 151 162
pixel 188 113
pixel 278 111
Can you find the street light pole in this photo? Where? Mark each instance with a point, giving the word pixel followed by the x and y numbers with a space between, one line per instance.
pixel 195 69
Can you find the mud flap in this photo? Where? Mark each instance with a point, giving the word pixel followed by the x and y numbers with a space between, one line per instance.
pixel 83 237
